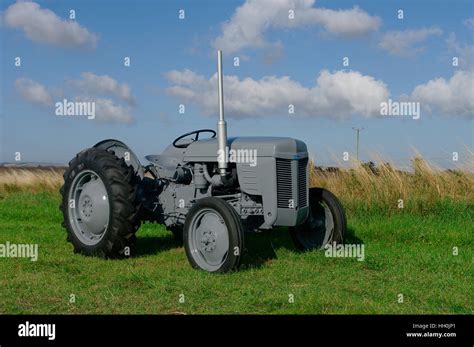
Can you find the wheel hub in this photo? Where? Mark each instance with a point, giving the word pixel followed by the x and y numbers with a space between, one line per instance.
pixel 208 241
pixel 90 216
pixel 86 207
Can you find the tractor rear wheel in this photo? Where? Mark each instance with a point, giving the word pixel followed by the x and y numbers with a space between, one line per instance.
pixel 326 222
pixel 213 236
pixel 99 204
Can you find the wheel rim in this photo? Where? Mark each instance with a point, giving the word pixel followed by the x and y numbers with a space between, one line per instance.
pixel 88 207
pixel 319 229
pixel 209 239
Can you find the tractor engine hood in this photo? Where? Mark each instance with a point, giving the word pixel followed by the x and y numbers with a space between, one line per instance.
pixel 281 147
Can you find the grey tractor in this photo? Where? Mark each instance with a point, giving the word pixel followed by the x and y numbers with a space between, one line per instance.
pixel 206 188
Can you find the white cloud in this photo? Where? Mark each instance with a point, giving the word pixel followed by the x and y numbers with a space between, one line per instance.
pixel 464 52
pixel 453 97
pixel 469 23
pixel 402 43
pixel 353 22
pixel 44 26
pixel 248 24
pixel 95 84
pixel 33 91
pixel 108 111
pixel 338 94
pixel 88 89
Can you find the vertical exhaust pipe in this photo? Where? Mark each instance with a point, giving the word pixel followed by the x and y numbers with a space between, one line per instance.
pixel 221 124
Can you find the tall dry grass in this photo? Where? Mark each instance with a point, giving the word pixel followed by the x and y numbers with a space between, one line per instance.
pixel 361 187
pixel 384 187
pixel 30 179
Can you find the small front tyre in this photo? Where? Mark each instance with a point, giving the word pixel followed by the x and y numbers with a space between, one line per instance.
pixel 326 222
pixel 213 236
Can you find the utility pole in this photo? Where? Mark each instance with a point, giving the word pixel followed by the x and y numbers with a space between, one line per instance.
pixel 358 130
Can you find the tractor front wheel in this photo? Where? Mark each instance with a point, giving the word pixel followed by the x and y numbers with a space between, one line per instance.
pixel 213 236
pixel 326 222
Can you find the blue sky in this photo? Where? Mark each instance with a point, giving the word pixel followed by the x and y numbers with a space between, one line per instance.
pixel 388 58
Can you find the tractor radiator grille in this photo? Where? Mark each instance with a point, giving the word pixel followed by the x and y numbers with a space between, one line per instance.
pixel 285 183
pixel 302 183
pixel 284 187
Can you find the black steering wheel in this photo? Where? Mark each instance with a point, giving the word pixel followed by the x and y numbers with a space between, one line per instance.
pixel 197 132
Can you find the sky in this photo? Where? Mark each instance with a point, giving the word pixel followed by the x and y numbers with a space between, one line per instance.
pixel 291 58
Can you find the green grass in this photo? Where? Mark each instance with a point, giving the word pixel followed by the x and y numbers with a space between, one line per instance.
pixel 409 254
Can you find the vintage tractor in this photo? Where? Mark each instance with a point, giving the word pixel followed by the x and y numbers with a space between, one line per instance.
pixel 208 190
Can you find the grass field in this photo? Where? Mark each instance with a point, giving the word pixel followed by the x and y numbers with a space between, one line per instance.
pixel 408 251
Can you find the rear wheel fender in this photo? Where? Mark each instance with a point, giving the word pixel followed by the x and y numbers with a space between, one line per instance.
pixel 121 150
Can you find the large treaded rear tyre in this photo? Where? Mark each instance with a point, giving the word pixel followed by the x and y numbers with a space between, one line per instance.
pixel 109 189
